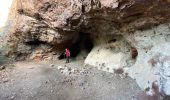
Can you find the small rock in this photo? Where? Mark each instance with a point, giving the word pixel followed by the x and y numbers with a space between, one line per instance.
pixel 2 67
pixel 31 68
pixel 69 73
pixel 60 68
pixel 81 84
pixel 52 91
pixel 5 80
pixel 52 65
pixel 69 69
pixel 12 97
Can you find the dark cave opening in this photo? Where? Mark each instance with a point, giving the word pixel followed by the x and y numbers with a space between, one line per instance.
pixel 35 42
pixel 134 52
pixel 84 42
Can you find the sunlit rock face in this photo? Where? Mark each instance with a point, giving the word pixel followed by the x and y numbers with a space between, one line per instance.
pixel 41 28
pixel 151 70
pixel 110 53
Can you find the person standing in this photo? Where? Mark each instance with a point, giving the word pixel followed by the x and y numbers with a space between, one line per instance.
pixel 67 54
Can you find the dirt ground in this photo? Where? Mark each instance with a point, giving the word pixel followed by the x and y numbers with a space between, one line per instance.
pixel 60 81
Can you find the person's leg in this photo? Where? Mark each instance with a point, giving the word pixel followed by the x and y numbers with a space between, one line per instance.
pixel 67 60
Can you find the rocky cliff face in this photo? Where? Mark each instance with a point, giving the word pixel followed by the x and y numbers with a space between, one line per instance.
pixel 132 35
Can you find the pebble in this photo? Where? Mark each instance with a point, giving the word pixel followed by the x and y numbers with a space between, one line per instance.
pixel 12 97
pixel 81 84
pixel 31 68
pixel 52 65
pixel 5 80
pixel 52 91
pixel 2 67
pixel 69 73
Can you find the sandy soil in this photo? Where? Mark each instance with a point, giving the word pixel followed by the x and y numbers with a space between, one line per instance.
pixel 60 81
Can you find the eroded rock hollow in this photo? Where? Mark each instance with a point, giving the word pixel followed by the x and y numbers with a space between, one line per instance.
pixel 132 35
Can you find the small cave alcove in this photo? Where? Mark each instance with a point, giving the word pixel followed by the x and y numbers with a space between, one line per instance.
pixel 134 53
pixel 35 42
pixel 83 43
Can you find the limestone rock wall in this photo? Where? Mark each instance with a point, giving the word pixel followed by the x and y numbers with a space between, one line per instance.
pixel 152 65
pixel 111 53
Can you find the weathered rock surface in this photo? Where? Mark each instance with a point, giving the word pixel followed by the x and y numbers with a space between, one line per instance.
pixel 110 53
pixel 47 26
pixel 57 23
pixel 152 65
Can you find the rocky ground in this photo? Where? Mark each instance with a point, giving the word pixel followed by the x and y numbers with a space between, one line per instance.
pixel 60 81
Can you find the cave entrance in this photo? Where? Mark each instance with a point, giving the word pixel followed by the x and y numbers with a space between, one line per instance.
pixel 81 47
